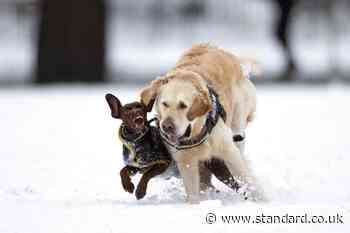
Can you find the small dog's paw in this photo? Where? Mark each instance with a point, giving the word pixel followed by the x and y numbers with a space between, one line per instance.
pixel 140 192
pixel 128 186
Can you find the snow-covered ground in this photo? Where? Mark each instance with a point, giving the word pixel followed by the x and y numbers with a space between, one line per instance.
pixel 60 161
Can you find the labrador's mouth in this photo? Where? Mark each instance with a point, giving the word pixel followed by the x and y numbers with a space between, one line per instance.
pixel 187 133
pixel 174 138
pixel 171 137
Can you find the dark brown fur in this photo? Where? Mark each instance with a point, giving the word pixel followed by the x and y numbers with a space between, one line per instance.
pixel 129 113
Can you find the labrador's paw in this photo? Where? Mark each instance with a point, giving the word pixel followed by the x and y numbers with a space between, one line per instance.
pixel 193 199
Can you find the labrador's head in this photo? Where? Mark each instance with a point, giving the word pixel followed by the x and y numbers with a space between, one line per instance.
pixel 181 99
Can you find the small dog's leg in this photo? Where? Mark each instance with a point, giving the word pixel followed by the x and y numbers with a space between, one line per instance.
pixel 154 171
pixel 125 174
pixel 222 173
pixel 205 177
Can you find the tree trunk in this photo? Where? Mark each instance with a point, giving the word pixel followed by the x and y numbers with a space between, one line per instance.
pixel 71 43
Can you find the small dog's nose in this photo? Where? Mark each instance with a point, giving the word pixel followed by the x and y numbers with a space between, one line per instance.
pixel 168 126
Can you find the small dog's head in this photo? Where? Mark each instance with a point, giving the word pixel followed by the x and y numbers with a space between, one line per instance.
pixel 133 115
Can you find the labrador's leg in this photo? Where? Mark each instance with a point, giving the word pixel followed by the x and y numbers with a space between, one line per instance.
pixel 231 155
pixel 238 125
pixel 239 140
pixel 190 174
pixel 154 171
pixel 236 164
pixel 239 170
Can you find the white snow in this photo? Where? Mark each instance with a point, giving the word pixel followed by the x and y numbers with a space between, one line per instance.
pixel 60 161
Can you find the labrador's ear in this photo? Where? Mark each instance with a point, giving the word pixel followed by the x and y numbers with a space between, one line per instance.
pixel 150 93
pixel 114 105
pixel 149 107
pixel 200 105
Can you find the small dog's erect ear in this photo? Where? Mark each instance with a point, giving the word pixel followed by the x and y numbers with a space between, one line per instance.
pixel 200 106
pixel 114 105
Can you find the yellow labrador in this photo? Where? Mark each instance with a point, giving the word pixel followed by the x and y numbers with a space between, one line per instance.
pixel 203 104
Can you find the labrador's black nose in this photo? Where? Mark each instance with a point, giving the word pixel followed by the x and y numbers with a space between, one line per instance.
pixel 168 126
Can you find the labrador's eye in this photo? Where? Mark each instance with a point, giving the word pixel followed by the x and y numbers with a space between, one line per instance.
pixel 182 105
pixel 165 104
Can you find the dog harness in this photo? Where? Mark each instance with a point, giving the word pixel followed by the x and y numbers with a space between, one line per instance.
pixel 145 150
pixel 212 119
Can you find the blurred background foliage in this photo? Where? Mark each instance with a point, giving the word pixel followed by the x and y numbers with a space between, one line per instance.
pixel 126 41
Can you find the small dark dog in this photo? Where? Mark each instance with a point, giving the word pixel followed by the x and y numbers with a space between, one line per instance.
pixel 144 151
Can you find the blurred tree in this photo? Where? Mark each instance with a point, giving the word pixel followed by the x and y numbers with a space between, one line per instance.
pixel 193 9
pixel 71 42
pixel 282 34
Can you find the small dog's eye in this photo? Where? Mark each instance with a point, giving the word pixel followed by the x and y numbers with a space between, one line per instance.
pixel 182 105
pixel 165 104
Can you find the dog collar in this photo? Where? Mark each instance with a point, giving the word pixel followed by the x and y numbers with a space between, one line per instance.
pixel 212 118
pixel 129 142
pixel 146 148
pixel 123 135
